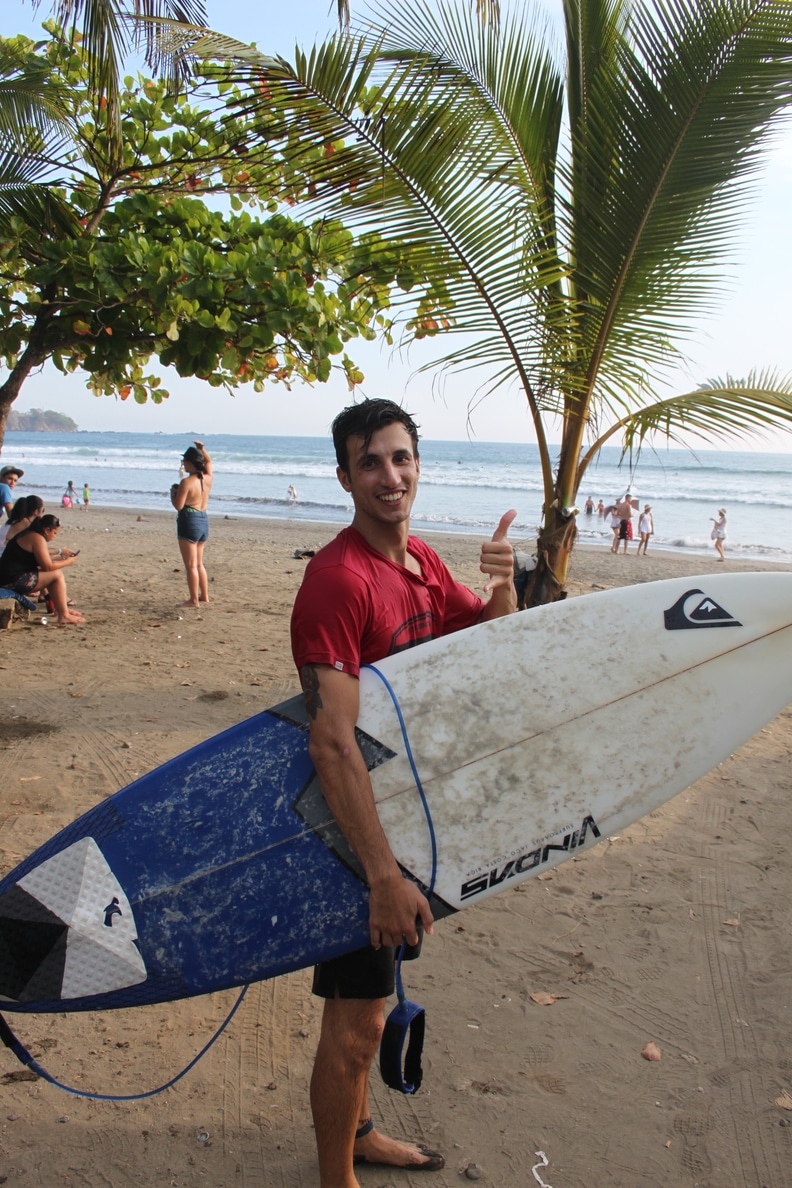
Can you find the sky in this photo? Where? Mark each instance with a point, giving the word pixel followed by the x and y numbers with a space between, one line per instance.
pixel 749 331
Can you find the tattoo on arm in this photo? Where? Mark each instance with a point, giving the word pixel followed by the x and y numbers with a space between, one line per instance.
pixel 310 683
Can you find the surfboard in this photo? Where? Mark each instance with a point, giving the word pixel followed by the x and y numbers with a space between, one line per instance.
pixel 532 738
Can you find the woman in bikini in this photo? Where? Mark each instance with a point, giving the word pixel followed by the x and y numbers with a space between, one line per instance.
pixel 190 497
pixel 27 567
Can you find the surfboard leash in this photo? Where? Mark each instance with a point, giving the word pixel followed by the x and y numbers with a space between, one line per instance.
pixel 406 1024
pixel 29 1061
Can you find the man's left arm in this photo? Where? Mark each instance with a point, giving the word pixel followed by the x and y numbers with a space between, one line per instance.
pixel 497 560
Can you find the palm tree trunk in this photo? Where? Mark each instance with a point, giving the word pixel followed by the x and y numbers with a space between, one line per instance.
pixel 547 581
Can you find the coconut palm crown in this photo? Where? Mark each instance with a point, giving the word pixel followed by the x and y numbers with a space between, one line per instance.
pixel 575 203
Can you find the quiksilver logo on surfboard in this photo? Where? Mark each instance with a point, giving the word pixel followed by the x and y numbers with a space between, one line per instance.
pixel 696 609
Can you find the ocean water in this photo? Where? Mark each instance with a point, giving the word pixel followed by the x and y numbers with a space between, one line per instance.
pixel 465 486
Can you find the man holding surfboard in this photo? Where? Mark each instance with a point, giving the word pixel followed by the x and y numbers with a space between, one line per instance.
pixel 372 591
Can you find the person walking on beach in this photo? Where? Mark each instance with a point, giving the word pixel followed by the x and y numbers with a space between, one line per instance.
pixel 645 529
pixel 86 495
pixel 190 497
pixel 373 590
pixel 719 532
pixel 70 497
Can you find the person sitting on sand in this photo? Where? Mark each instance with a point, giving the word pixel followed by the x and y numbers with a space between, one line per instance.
pixel 27 567
pixel 21 516
pixel 190 497
pixel 25 512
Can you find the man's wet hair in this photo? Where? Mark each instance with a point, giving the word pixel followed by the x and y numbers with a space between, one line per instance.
pixel 364 420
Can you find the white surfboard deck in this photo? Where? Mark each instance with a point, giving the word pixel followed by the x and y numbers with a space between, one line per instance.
pixel 537 734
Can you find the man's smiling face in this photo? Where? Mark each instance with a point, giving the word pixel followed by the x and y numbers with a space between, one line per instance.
pixel 383 476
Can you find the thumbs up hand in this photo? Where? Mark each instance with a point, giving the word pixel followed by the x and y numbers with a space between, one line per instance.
pixel 497 560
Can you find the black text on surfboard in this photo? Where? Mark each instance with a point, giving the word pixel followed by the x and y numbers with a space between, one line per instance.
pixel 526 862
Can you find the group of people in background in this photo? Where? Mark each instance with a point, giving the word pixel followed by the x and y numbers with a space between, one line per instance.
pixel 30 560
pixel 619 517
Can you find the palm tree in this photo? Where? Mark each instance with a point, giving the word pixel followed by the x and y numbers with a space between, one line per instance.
pixel 574 205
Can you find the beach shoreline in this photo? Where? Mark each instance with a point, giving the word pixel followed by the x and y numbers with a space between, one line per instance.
pixel 465 486
pixel 674 932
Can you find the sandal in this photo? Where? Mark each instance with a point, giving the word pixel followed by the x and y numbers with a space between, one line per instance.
pixel 433 1160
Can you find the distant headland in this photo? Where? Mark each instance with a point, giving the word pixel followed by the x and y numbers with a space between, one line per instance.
pixel 41 420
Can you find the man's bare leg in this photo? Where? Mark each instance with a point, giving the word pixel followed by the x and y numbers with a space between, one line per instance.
pixel 351 1032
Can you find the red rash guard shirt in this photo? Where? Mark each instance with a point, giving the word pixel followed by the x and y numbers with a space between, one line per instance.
pixel 356 606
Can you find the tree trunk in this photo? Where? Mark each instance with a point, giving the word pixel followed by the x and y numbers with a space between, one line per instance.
pixel 546 582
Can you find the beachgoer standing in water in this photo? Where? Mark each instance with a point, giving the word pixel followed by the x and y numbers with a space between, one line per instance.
pixel 719 532
pixel 190 497
pixel 373 590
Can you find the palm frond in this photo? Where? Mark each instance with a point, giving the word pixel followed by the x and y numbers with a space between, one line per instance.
pixel 397 144
pixel 719 410
pixel 692 96
pixel 110 28
pixel 27 202
pixel 31 100
pixel 573 266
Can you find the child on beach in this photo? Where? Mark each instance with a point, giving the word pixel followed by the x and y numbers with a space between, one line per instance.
pixel 86 493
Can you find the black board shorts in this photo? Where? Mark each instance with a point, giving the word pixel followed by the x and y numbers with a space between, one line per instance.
pixel 367 973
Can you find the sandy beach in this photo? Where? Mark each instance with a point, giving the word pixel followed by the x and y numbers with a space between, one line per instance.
pixel 676 932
